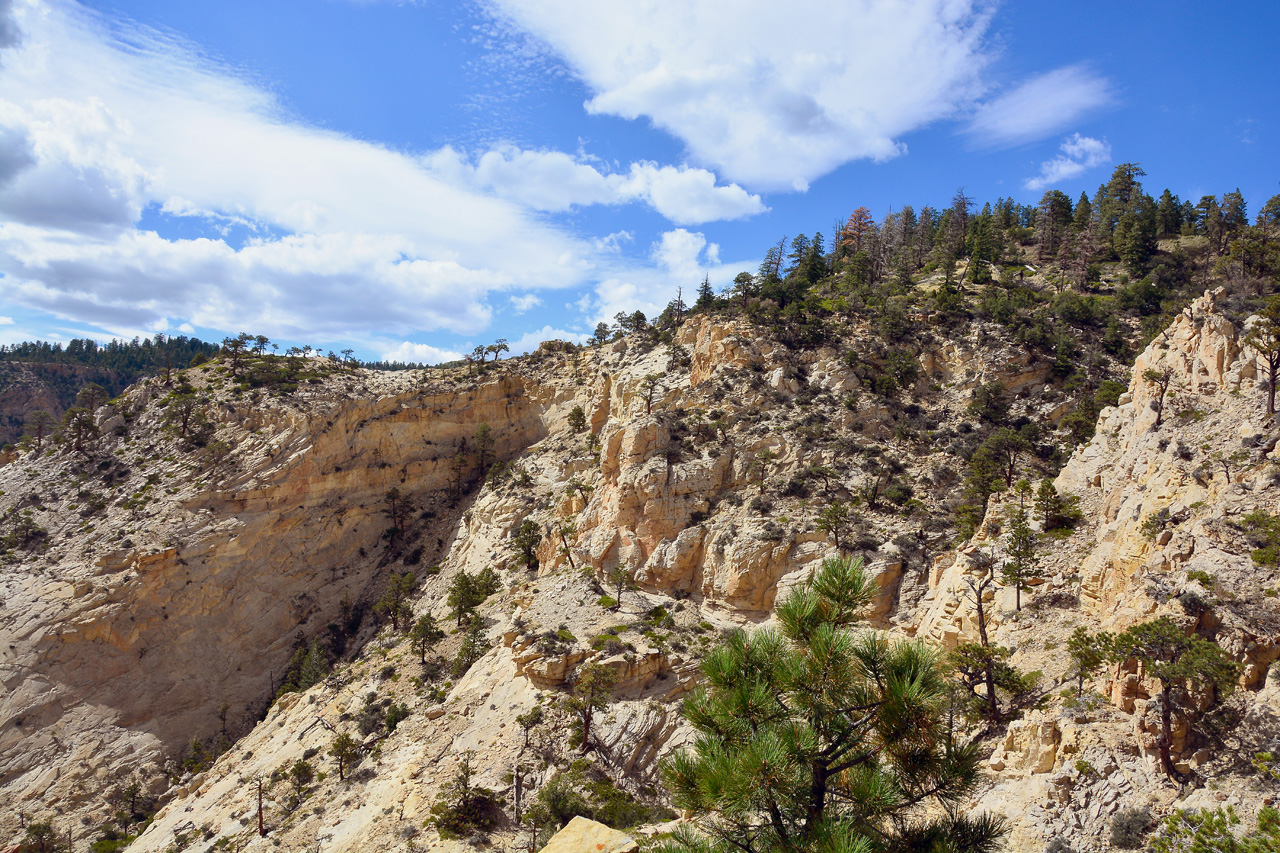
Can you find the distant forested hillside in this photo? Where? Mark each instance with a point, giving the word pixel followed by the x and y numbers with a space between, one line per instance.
pixel 47 376
pixel 139 356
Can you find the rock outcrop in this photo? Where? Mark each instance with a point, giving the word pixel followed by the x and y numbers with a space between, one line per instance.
pixel 172 580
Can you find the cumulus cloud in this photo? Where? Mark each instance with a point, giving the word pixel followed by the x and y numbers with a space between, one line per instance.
pixel 773 95
pixel 1079 154
pixel 681 259
pixel 524 302
pixel 556 181
pixel 529 341
pixel 684 254
pixel 6 321
pixel 1039 107
pixel 346 236
pixel 413 353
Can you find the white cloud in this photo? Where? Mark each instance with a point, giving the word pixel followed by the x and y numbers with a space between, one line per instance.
pixel 6 321
pixel 689 196
pixel 1039 107
pixel 556 181
pixel 10 34
pixel 679 253
pixel 521 304
pixel 1079 154
pixel 613 242
pixel 419 353
pixel 97 128
pixel 682 258
pixel 530 340
pixel 774 95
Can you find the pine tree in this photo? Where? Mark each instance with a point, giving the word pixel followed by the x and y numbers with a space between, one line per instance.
pixel 706 296
pixel 346 753
pixel 394 603
pixel 835 521
pixel 467 592
pixel 1187 667
pixel 79 427
pixel 397 507
pixel 39 425
pixel 812 737
pixel 527 539
pixel 425 634
pixel 1088 652
pixel 484 444
pixel 1022 565
pixel 1168 215
pixel 91 396
pixel 592 688
pixel 1161 379
pixel 1263 338
pixel 474 645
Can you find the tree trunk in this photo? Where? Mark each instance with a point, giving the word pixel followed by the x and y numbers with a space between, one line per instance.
pixel 1273 365
pixel 1166 736
pixel 567 552
pixel 817 795
pixel 262 827
pixel 989 671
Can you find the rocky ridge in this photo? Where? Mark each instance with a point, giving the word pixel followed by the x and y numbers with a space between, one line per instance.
pixel 122 638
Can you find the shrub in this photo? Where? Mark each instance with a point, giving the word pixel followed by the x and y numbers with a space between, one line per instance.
pixel 462 807
pixel 1264 535
pixel 1154 524
pixel 1129 827
pixel 395 714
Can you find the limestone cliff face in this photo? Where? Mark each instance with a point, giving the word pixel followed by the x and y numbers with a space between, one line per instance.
pixel 186 589
pixel 118 650
pixel 1163 508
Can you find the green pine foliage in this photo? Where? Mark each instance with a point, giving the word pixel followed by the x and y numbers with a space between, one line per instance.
pixel 1263 531
pixel 308 666
pixel 1188 668
pixel 584 790
pixel 468 591
pixel 1205 831
pixel 474 645
pixel 814 737
pixel 464 807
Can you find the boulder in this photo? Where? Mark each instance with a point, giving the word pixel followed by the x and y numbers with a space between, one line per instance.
pixel 588 836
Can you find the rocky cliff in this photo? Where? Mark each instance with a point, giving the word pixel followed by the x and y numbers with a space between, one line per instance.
pixel 1165 534
pixel 171 579
pixel 26 387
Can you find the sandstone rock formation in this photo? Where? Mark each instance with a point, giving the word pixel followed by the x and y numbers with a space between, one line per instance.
pixel 174 581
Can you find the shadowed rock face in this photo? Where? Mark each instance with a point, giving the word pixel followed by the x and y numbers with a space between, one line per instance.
pixel 25 387
pixel 124 653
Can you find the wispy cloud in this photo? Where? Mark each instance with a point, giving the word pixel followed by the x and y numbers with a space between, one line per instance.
pixel 772 95
pixel 1039 107
pixel 1079 154
pixel 344 238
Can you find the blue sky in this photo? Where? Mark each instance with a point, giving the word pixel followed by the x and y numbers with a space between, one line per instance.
pixel 414 178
